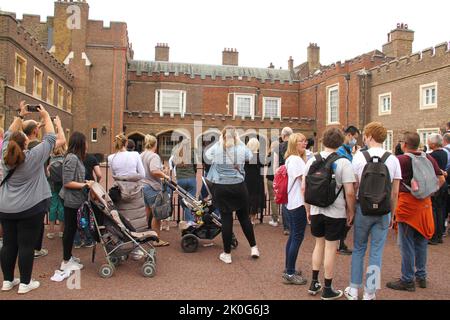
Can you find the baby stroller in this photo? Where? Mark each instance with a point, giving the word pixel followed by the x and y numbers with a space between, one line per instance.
pixel 118 237
pixel 207 225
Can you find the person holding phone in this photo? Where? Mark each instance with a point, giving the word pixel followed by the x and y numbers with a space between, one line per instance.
pixel 24 199
pixel 74 193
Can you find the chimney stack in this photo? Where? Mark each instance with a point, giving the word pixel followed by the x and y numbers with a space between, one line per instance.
pixel 291 64
pixel 400 41
pixel 230 57
pixel 162 52
pixel 313 57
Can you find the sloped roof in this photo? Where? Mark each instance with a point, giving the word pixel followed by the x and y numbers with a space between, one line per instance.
pixel 214 71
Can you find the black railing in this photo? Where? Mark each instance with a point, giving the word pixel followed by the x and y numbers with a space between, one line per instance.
pixel 178 212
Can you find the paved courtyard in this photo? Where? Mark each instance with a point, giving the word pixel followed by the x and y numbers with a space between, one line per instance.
pixel 201 276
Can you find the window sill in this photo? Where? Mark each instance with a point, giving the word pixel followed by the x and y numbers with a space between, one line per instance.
pixel 384 113
pixel 427 107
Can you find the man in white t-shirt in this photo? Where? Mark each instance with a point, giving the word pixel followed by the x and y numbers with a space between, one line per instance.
pixel 329 224
pixel 375 227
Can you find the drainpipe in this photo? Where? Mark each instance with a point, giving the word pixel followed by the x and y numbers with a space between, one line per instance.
pixel 315 122
pixel 347 79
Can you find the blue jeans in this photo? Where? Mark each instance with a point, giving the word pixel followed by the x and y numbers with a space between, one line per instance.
pixel 413 248
pixel 377 228
pixel 149 195
pixel 285 216
pixel 297 224
pixel 190 185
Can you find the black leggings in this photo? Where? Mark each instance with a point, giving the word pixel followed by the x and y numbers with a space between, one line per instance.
pixel 40 239
pixel 70 228
pixel 227 228
pixel 19 239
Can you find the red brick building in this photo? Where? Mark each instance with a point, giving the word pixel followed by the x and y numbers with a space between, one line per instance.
pixel 100 90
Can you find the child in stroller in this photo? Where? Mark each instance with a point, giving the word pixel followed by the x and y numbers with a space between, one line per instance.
pixel 118 237
pixel 208 225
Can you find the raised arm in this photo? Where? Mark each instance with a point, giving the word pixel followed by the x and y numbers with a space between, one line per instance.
pixel 17 123
pixel 60 136
pixel 46 120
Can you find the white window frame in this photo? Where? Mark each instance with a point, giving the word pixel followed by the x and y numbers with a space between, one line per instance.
pixel 423 88
pixel 60 104
pixel 390 134
pixel 279 107
pixel 35 84
pixel 69 100
pixel 428 131
pixel 182 101
pixel 52 100
pixel 17 77
pixel 334 87
pixel 381 97
pixel 252 105
pixel 92 134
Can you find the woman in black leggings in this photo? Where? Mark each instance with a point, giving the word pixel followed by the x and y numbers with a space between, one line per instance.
pixel 230 193
pixel 74 194
pixel 24 198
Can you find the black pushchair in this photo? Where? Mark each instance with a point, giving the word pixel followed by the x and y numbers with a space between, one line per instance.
pixel 207 225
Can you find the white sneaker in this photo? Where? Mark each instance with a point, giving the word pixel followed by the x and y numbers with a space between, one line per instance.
pixel 71 265
pixel 273 223
pixel 25 288
pixel 255 253
pixel 8 286
pixel 226 258
pixel 369 296
pixel 351 294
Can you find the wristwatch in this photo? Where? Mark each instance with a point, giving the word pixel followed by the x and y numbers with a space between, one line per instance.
pixel 19 115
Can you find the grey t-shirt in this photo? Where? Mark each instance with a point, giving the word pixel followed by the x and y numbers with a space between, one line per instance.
pixel 73 171
pixel 28 186
pixel 152 162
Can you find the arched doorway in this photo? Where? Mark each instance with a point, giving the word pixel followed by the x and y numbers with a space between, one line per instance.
pixel 138 139
pixel 167 140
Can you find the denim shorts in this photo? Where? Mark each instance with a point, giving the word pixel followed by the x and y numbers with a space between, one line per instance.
pixel 149 195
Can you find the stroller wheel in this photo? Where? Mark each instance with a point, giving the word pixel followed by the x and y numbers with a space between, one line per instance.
pixel 148 270
pixel 115 261
pixel 106 271
pixel 189 243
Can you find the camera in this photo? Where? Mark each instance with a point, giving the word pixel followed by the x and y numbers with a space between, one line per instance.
pixel 32 108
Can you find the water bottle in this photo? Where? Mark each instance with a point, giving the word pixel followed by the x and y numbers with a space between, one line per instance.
pixel 83 223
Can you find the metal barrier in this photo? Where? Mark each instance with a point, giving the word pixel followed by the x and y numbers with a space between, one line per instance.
pixel 177 214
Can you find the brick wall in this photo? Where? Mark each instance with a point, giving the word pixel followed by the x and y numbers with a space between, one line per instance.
pixel 403 78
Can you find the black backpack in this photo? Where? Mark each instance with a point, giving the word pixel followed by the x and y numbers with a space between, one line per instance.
pixel 375 186
pixel 56 171
pixel 321 183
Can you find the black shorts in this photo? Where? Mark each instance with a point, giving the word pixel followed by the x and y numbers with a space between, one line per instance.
pixel 328 228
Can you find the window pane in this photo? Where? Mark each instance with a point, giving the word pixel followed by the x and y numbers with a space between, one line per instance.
pixel 170 101
pixel 243 106
pixel 333 105
pixel 271 108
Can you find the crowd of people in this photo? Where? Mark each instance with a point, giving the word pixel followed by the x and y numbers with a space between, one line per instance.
pixel 344 187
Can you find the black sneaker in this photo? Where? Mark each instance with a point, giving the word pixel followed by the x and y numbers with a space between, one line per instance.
pixel 329 294
pixel 345 251
pixel 421 283
pixel 402 286
pixel 433 243
pixel 315 288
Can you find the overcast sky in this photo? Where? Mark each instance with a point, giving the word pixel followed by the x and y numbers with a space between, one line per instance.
pixel 263 31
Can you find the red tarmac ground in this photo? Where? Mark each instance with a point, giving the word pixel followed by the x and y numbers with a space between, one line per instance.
pixel 202 276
